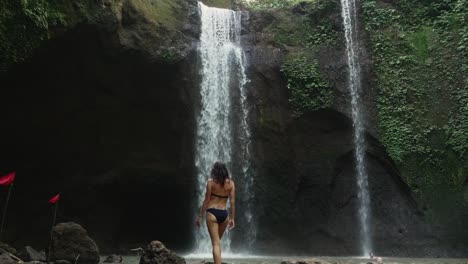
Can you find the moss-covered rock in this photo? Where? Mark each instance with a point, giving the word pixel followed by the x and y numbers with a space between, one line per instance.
pixel 228 4
pixel 164 29
pixel 304 33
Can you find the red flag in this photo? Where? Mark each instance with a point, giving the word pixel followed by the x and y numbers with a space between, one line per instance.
pixel 7 179
pixel 54 199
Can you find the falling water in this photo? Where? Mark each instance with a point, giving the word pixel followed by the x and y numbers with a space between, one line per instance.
pixel 348 12
pixel 218 136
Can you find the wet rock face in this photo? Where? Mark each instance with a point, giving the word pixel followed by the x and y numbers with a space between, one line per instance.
pixel 305 185
pixel 465 186
pixel 317 212
pixel 71 242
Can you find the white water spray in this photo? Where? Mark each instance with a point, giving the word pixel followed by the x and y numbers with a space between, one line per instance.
pixel 348 12
pixel 223 74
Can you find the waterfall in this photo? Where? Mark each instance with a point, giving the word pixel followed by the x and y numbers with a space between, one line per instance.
pixel 348 13
pixel 222 130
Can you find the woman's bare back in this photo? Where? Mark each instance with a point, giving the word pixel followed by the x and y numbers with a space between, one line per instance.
pixel 219 193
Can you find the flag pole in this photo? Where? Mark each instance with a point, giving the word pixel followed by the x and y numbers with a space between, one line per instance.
pixel 5 209
pixel 51 229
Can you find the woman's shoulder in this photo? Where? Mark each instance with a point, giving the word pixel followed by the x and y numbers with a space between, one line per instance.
pixel 230 183
pixel 209 183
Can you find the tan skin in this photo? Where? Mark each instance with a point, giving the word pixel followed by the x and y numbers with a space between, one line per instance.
pixel 217 230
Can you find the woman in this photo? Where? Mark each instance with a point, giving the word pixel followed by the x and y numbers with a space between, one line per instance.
pixel 219 189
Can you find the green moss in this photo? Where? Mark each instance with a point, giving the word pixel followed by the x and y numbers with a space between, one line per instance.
pixel 23 27
pixel 305 35
pixel 219 3
pixel 420 41
pixel 310 30
pixel 163 12
pixel 420 64
pixel 273 4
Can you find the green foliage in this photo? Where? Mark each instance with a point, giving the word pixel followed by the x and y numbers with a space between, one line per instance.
pixel 417 12
pixel 23 27
pixel 420 62
pixel 307 88
pixel 324 34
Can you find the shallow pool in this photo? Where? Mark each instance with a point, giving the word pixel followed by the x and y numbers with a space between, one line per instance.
pixel 338 260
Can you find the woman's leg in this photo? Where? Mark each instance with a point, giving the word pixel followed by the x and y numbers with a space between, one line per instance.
pixel 212 225
pixel 222 227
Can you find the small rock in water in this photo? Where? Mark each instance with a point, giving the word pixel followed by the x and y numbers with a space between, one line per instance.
pixel 113 259
pixel 30 254
pixel 305 261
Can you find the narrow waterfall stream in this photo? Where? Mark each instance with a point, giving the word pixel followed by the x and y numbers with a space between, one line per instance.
pixel 222 125
pixel 349 15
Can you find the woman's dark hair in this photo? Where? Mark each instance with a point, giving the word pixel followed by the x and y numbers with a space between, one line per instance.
pixel 219 172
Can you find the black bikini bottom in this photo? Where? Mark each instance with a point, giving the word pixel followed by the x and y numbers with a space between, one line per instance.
pixel 220 214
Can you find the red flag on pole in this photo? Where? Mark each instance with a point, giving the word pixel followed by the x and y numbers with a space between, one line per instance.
pixel 54 199
pixel 7 179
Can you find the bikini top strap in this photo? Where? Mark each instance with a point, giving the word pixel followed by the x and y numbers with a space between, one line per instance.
pixel 219 196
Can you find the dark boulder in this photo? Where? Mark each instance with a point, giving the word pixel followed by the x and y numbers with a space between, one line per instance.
pixel 71 242
pixel 157 253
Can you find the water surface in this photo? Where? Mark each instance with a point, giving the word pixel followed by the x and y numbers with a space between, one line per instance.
pixel 338 260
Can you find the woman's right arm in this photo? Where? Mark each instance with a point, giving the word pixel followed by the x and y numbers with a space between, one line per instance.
pixel 232 199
